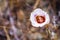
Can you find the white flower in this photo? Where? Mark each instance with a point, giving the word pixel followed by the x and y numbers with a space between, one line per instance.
pixel 39 18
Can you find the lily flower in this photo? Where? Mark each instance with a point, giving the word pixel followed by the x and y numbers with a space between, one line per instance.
pixel 39 18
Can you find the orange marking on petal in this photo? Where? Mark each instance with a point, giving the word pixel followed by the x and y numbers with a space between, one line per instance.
pixel 40 19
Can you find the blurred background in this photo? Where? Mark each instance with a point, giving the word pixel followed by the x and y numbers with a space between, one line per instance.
pixel 15 23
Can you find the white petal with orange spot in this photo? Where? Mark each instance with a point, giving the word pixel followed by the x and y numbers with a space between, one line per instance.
pixel 39 12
